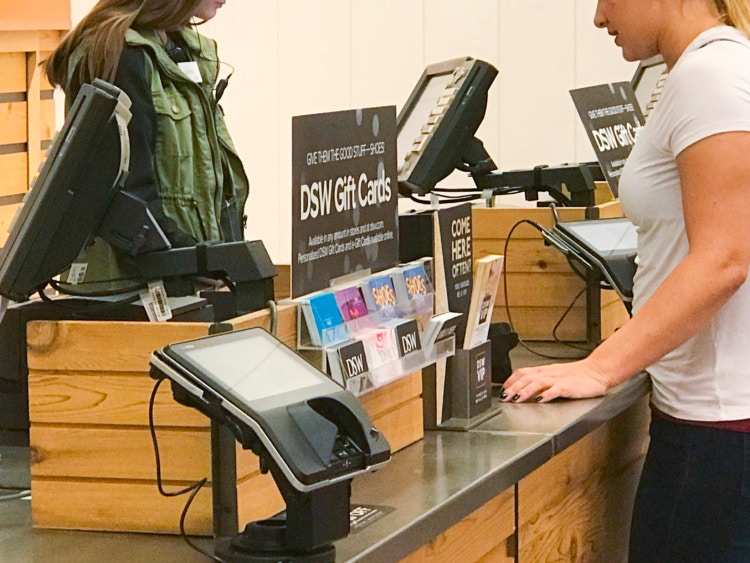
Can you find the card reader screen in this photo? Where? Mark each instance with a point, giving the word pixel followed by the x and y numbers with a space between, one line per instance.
pixel 607 237
pixel 251 367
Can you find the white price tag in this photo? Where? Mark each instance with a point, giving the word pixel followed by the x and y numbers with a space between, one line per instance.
pixel 155 302
pixel 77 273
pixel 192 71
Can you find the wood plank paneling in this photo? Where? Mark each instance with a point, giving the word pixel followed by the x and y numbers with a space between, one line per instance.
pixel 258 498
pixel 7 212
pixel 88 452
pixel 138 506
pixel 584 513
pixel 481 536
pixel 14 122
pixel 27 41
pixel 12 78
pixel 381 400
pixel 104 399
pixel 97 505
pixel 39 14
pixel 286 325
pixel 119 453
pixel 88 393
pixel 13 173
pixel 402 425
pixel 89 346
pixel 540 282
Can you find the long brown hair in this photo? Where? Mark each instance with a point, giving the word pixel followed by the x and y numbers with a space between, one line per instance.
pixel 735 13
pixel 101 33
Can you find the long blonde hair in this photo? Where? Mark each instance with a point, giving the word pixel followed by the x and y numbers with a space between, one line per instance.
pixel 735 13
pixel 101 34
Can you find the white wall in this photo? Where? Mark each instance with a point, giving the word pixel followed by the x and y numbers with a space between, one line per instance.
pixel 294 57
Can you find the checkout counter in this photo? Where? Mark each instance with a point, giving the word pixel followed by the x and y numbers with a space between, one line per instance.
pixel 532 482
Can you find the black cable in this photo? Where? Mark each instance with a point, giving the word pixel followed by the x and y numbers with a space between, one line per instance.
pixel 79 307
pixel 12 488
pixel 192 489
pixel 463 199
pixel 222 84
pixel 521 341
pixel 54 284
pixel 560 322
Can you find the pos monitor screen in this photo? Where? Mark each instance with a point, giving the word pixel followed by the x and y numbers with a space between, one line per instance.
pixel 84 168
pixel 437 124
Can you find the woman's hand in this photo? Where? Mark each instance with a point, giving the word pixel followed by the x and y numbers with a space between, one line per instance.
pixel 576 380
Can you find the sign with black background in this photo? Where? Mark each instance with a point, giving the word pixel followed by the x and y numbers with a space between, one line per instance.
pixel 612 118
pixel 456 257
pixel 344 195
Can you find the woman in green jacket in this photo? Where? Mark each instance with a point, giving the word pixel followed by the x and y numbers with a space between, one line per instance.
pixel 183 162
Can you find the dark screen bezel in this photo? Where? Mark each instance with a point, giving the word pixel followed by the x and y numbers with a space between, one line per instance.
pixel 176 353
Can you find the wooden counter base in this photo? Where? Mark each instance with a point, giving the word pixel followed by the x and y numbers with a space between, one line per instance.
pixel 93 462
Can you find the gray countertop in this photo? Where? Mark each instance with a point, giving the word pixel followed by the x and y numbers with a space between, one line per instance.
pixel 435 483
pixel 424 490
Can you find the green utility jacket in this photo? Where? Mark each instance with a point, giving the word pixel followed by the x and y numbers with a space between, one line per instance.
pixel 197 167
pixel 200 179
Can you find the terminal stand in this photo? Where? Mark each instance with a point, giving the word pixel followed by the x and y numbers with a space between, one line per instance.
pixel 304 533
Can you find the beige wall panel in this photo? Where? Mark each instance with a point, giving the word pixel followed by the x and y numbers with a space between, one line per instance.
pixel 251 104
pixel 314 77
pixel 306 56
pixel 598 61
pixel 387 51
pixel 471 31
pixel 537 69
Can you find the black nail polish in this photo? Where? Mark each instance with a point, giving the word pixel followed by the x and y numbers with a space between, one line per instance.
pixel 504 396
pixel 538 399
pixel 516 397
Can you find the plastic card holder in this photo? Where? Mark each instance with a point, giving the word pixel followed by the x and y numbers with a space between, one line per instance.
pixel 370 350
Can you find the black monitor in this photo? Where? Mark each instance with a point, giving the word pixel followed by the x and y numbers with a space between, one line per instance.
pixel 436 126
pixel 78 196
pixel 85 166
pixel 647 82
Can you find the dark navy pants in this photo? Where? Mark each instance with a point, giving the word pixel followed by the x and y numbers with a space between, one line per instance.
pixel 693 501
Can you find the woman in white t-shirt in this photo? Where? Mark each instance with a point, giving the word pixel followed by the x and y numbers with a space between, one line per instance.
pixel 686 187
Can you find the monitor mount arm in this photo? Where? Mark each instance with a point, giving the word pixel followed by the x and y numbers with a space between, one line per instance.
pixel 578 179
pixel 244 265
